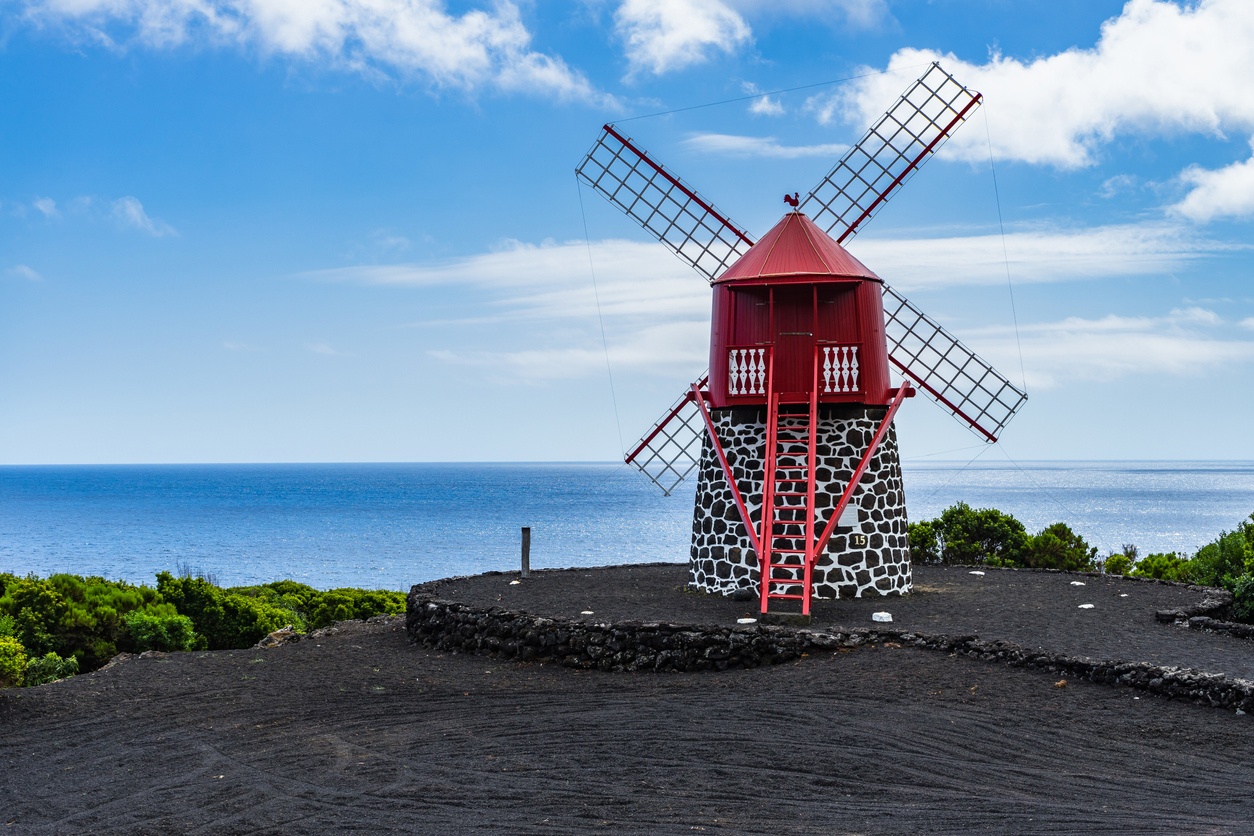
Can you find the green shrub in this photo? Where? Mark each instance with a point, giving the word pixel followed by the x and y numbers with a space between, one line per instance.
pixel 225 620
pixel 348 604
pixel 1243 599
pixel 1058 547
pixel 152 631
pixel 969 536
pixel 924 544
pixel 49 668
pixel 1221 562
pixel 37 610
pixel 12 662
pixel 1163 567
pixel 1117 564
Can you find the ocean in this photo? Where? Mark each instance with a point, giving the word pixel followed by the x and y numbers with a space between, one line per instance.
pixel 393 525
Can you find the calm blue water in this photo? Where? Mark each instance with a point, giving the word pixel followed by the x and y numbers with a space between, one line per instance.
pixel 392 525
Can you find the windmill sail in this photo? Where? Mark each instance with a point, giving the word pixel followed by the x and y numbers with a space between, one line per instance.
pixel 890 152
pixel 946 370
pixel 663 204
pixel 671 449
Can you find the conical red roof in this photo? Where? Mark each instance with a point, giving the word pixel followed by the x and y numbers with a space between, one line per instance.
pixel 795 247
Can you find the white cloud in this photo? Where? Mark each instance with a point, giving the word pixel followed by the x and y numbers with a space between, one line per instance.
pixel 642 289
pixel 633 279
pixel 129 212
pixel 1217 193
pixel 1035 256
pixel 411 39
pixel 760 146
pixel 766 106
pixel 47 207
pixel 666 35
pixel 1248 322
pixel 1181 343
pixel 655 308
pixel 663 346
pixel 1158 67
pixel 21 271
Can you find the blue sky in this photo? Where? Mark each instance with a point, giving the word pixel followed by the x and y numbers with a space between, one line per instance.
pixel 349 230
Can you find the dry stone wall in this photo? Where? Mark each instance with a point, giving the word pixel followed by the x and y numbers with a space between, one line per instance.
pixel 643 646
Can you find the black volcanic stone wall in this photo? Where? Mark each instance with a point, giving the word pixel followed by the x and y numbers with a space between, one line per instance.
pixel 722 558
pixel 645 646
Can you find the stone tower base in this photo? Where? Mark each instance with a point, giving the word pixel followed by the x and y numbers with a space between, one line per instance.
pixel 869 557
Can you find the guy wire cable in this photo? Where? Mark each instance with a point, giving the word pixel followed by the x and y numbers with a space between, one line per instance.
pixel 596 295
pixel 751 96
pixel 1023 376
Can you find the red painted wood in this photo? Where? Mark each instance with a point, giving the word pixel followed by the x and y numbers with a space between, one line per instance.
pixel 797 288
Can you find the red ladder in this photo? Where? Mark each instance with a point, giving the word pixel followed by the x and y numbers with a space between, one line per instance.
pixel 788 543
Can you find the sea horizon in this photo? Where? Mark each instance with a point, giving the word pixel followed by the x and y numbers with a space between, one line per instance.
pixel 393 524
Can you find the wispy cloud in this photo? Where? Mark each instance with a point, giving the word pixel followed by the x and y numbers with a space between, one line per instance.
pixel 666 346
pixel 1183 342
pixel 325 349
pixel 405 39
pixel 732 145
pixel 21 271
pixel 129 212
pixel 656 309
pixel 1035 256
pixel 47 207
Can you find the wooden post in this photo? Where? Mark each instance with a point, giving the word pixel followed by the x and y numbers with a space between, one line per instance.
pixel 526 551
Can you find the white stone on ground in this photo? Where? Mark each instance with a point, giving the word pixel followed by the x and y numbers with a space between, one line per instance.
pixel 881 616
pixel 1086 606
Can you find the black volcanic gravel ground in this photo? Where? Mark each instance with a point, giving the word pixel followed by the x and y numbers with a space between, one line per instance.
pixel 1032 609
pixel 360 731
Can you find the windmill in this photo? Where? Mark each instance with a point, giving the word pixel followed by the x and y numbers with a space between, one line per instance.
pixel 799 490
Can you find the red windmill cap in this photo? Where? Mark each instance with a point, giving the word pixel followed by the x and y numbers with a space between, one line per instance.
pixel 796 247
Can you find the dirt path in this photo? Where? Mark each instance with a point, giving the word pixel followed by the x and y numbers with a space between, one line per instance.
pixel 360 731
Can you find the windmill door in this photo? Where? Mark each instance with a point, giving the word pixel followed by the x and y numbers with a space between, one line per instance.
pixel 793 332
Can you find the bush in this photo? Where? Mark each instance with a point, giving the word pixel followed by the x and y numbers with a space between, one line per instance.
pixel 1163 567
pixel 969 536
pixel 311 608
pixel 12 662
pixel 348 604
pixel 37 610
pixel 1222 561
pixel 166 632
pixel 1117 564
pixel 1058 547
pixel 924 544
pixel 223 619
pixel 49 668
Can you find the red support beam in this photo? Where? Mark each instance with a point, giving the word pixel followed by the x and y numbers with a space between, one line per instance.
pixel 727 471
pixel 644 442
pixel 904 391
